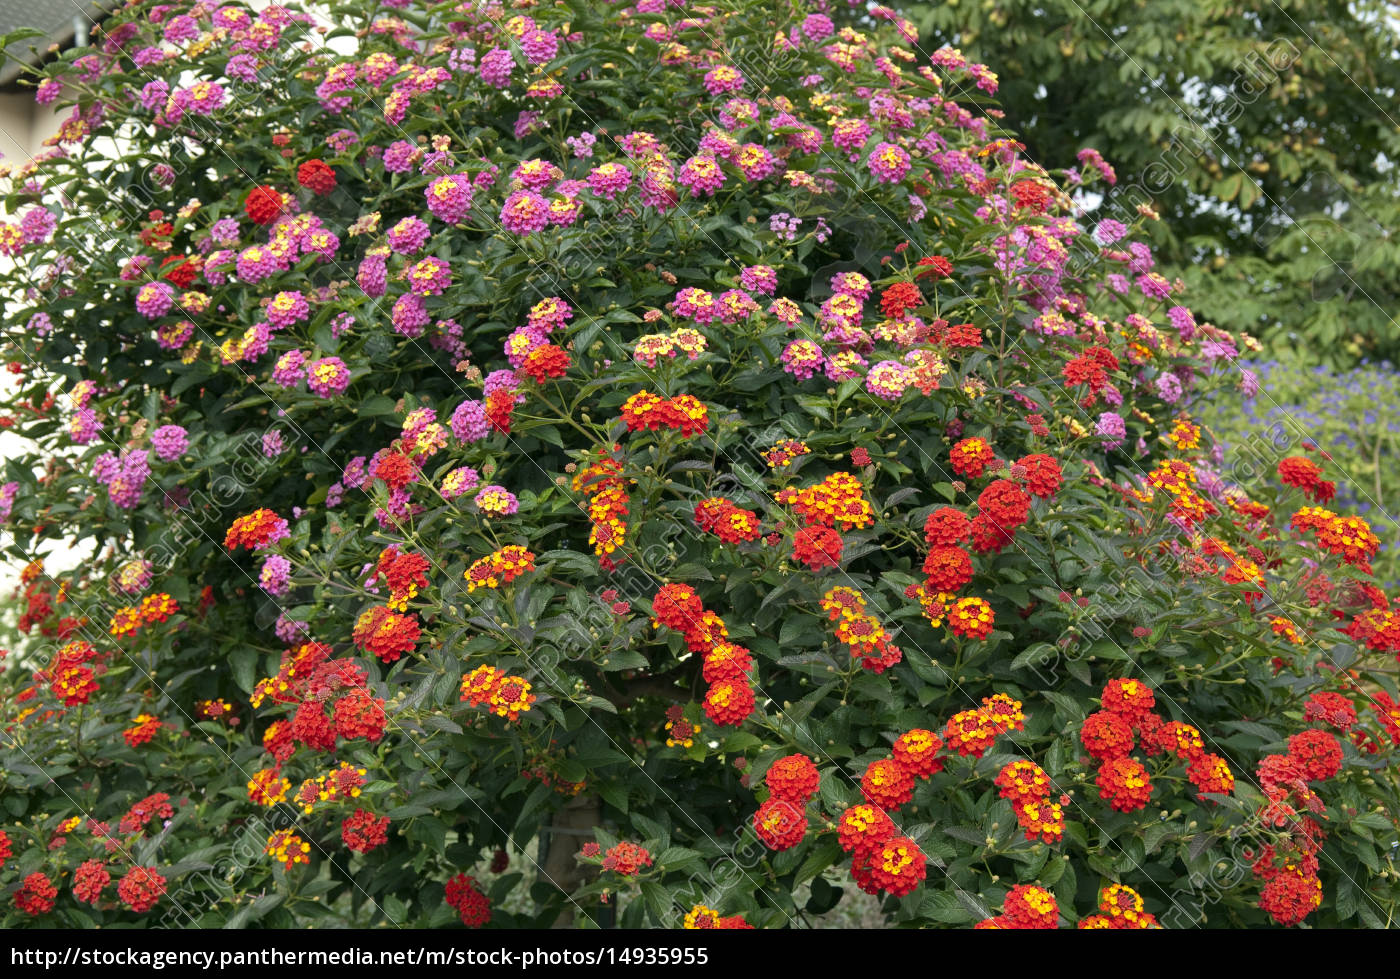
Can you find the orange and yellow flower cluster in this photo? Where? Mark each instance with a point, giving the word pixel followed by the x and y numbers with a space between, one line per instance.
pixel 498 568
pixel 504 695
pixel 857 628
pixel 608 503
pixel 153 608
pixel 684 413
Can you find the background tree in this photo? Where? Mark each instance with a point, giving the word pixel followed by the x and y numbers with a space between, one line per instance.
pixel 1262 130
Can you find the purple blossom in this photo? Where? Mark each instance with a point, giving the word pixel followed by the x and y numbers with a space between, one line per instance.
pixel 7 499
pixel 1111 429
pixel 409 315
pixel 408 236
pixel 170 442
pixel 154 299
pixel 1107 231
pixel 273 578
pixel 83 426
pixel 496 67
pixel 469 422
pixel 1169 388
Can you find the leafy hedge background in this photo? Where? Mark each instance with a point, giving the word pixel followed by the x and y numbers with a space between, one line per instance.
pixel 301 582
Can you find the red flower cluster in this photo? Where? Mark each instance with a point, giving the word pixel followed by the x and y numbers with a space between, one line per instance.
pixel 153 608
pixel 1127 714
pixel 1026 786
pixel 863 632
pixel 971 617
pixel 546 361
pixel 731 524
pixel 1002 507
pixel 900 297
pixel 684 413
pixel 255 530
pixel 1041 474
pixel 1124 784
pixel 359 715
pixel 144 729
pixel 386 633
pixel 1107 735
pixel 677 607
pixel 1211 775
pixel 90 880
pixel 729 700
pixel 882 860
pixel 405 574
pixel 1090 368
pixel 500 405
pixel 726 661
pixel 793 778
pixel 397 469
pixel 1122 910
pixel 946 526
pixel 947 568
pixel 1175 738
pixel 317 177
pixel 626 859
pixel 1332 709
pixel 309 679
pixel 1026 907
pixel 1317 753
pixel 466 898
pixel 780 824
pixel 970 732
pixel 363 831
pixel 863 827
pixel 264 204
pixel 506 696
pixel 916 752
pixel 72 680
pixel 180 270
pixel 817 547
pixel 288 849
pixel 1131 699
pixel 141 888
pixel 305 667
pixel 157 608
pixel 895 866
pixel 1003 713
pixel 1031 195
pixel 1289 865
pixel 784 452
pixel 155 806
pixel 886 784
pixel 970 457
pixel 934 265
pixel 36 895
pixel 1302 473
pixel 1291 895
pixel 1348 537
pixel 964 335
pixel 837 501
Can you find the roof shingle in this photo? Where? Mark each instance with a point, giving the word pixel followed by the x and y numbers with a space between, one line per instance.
pixel 58 19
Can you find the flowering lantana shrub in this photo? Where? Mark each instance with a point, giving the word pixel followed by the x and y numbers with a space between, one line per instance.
pixel 1336 417
pixel 672 466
